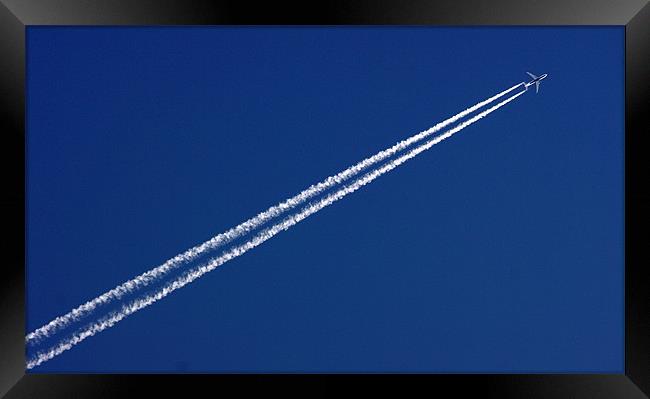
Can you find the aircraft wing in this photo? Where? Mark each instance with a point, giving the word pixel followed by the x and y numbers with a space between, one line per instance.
pixel 537 87
pixel 531 75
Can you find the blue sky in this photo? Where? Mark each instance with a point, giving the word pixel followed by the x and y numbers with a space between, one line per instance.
pixel 499 250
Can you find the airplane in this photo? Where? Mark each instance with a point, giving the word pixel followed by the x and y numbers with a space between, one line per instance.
pixel 536 80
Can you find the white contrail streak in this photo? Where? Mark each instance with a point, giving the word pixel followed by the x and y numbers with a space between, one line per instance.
pixel 243 228
pixel 265 235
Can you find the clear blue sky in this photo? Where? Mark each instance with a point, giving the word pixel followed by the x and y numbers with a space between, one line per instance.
pixel 499 250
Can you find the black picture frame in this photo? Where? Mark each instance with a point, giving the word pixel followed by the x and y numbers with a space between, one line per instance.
pixel 16 15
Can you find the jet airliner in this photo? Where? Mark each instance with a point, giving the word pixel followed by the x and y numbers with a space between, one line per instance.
pixel 536 80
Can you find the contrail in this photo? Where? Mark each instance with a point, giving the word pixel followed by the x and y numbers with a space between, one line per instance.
pixel 152 275
pixel 260 238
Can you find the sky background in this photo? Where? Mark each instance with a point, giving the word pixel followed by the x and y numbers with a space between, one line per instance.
pixel 498 250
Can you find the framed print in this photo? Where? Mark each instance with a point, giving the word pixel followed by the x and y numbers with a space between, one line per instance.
pixel 210 192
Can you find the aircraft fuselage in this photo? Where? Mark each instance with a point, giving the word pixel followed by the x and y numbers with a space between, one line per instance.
pixel 537 79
